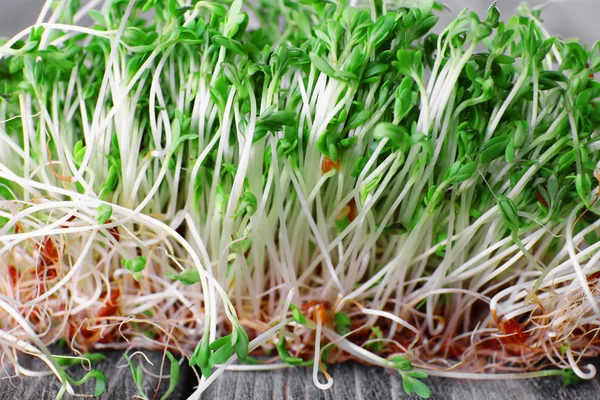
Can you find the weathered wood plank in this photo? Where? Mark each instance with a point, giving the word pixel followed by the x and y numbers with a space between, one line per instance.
pixel 351 382
pixel 370 383
pixel 120 384
pixel 357 381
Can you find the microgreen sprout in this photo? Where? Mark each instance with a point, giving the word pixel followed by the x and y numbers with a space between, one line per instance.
pixel 138 376
pixel 104 213
pixel 334 182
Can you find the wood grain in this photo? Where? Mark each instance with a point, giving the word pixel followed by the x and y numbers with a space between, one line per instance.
pixel 351 382
pixel 120 384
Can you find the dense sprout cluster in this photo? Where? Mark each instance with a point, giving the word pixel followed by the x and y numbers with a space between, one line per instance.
pixel 335 182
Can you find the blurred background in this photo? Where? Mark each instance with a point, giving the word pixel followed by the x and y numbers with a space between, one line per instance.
pixel 565 18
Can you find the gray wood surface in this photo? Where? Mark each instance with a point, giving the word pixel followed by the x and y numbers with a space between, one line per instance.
pixel 351 382
pixel 120 384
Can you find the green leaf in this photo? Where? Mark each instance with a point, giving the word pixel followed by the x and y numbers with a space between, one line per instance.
pixel 381 29
pixel 464 172
pixel 397 135
pixel 566 160
pixel 222 341
pixel 97 375
pixel 232 18
pixel 206 370
pixel 248 204
pixel 354 60
pixel 583 185
pixel 493 16
pixel 405 61
pixel 520 134
pixel 78 152
pixel 345 144
pixel 297 315
pixel 104 213
pixel 322 65
pixel 406 384
pixel 302 22
pixel 229 44
pixel 94 357
pixel 563 349
pixel 375 69
pixel 187 277
pixel 359 118
pixel 420 388
pixel 285 355
pixel 342 323
pixel 136 264
pixel 570 377
pixel 134 36
pixel 376 345
pixel 396 228
pixel 508 211
pixel 111 181
pixel 401 363
pixel 509 153
pixel 494 149
pixel 241 344
pixel 174 376
pixel 100 384
pixel 223 353
pixel 418 374
pixel 201 355
pixel 369 187
pixel 67 362
pixel 554 76
pixel 583 100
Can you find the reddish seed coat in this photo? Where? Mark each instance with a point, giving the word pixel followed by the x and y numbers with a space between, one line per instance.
pixel 352 213
pixel 49 253
pixel 46 272
pixel 70 219
pixel 593 279
pixel 34 317
pixel 349 211
pixel 111 307
pixel 319 310
pixel 306 306
pixel 328 164
pixel 513 328
pixel 14 275
pixel 321 314
pixel 107 311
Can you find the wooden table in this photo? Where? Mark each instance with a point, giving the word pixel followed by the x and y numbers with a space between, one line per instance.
pixel 351 382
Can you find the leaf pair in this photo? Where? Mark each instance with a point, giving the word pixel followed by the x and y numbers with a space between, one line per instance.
pixel 218 352
pixel 138 376
pixel 96 374
pixel 459 172
pixel 411 383
pixel 136 266
pixel 342 323
pixel 331 145
pixel 187 277
pixel 104 213
pixel 285 355
pixel 410 378
pixel 397 135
